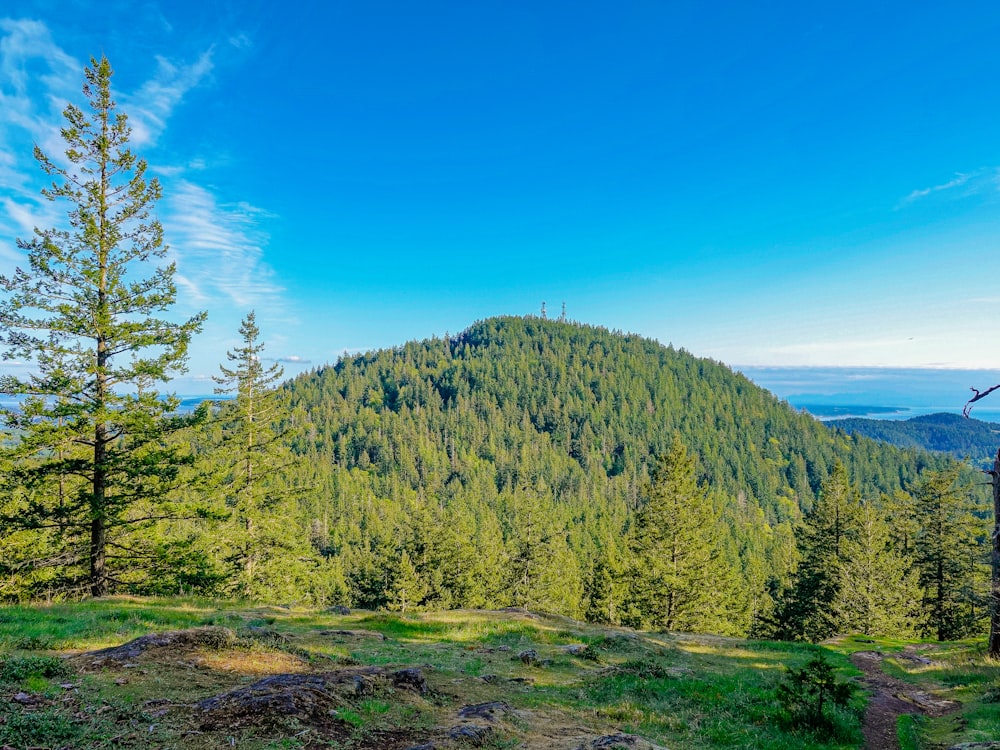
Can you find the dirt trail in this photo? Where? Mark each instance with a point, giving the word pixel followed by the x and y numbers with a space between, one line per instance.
pixel 891 698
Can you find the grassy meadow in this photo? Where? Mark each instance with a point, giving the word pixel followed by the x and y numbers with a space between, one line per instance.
pixel 582 682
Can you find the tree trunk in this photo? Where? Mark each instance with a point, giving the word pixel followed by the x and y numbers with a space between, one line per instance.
pixel 98 527
pixel 994 649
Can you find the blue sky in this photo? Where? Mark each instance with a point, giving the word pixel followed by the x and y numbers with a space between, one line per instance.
pixel 795 184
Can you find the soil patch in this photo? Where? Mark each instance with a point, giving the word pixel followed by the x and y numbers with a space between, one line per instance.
pixel 174 641
pixel 891 698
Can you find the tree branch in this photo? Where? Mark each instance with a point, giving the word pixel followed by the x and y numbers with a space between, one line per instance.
pixel 967 409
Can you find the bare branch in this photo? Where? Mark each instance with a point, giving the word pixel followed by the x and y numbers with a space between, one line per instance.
pixel 967 409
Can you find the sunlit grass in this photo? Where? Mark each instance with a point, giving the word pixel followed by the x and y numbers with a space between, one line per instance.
pixel 681 691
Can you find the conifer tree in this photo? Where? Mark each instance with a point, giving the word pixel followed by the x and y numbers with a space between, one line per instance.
pixel 265 542
pixel 807 609
pixel 542 572
pixel 90 451
pixel 607 589
pixel 879 591
pixel 408 590
pixel 679 577
pixel 950 556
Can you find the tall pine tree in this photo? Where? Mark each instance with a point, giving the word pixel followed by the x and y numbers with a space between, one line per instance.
pixel 951 556
pixel 806 610
pixel 92 461
pixel 879 592
pixel 679 576
pixel 268 555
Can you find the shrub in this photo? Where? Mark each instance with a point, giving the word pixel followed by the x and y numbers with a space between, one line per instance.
pixel 17 668
pixel 807 693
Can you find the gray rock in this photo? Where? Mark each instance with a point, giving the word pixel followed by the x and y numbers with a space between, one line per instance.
pixel 489 711
pixel 410 679
pixel 528 656
pixel 473 733
pixel 614 741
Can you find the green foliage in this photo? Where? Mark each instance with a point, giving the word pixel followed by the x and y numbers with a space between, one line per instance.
pixel 854 575
pixel 807 609
pixel 88 457
pixel 879 591
pixel 263 553
pixel 407 588
pixel 679 577
pixel 490 455
pixel 907 732
pixel 811 693
pixel 951 550
pixel 16 668
pixel 959 436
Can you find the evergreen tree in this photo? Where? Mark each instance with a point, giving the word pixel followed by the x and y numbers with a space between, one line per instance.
pixel 807 609
pixel 266 543
pixel 679 578
pixel 607 588
pixel 408 590
pixel 950 554
pixel 91 458
pixel 879 591
pixel 542 572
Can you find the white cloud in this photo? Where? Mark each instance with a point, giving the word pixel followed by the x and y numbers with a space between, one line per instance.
pixel 241 41
pixel 292 359
pixel 218 248
pixel 972 183
pixel 150 107
pixel 828 347
pixel 218 244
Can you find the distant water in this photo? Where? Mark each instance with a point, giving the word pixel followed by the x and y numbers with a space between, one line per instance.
pixel 826 412
pixel 188 403
pixel 878 392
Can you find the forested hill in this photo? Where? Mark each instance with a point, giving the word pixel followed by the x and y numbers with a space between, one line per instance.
pixel 946 433
pixel 573 411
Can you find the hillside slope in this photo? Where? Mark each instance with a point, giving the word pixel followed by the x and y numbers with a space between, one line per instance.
pixel 504 465
pixel 578 409
pixel 944 433
pixel 188 673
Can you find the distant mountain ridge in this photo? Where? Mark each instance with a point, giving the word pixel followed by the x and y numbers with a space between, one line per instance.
pixel 578 410
pixel 941 433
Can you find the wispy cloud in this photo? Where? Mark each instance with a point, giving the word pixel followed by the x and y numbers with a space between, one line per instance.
pixel 827 347
pixel 150 107
pixel 979 181
pixel 30 107
pixel 292 359
pixel 217 245
pixel 218 248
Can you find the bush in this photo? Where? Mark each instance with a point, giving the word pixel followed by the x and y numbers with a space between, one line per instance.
pixel 807 693
pixel 17 668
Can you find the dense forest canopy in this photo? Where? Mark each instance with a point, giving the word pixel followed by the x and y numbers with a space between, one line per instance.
pixel 948 433
pixel 581 407
pixel 548 464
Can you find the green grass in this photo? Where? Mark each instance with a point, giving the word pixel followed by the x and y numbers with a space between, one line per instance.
pixel 725 700
pixel 683 692
pixel 908 732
